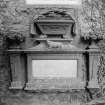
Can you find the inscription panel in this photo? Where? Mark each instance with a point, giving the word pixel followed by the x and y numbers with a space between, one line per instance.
pixel 54 68
pixel 51 71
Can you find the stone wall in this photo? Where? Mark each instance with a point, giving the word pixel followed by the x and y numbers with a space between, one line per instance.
pixel 16 17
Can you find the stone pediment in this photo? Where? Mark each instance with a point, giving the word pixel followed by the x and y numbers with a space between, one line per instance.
pixel 55 15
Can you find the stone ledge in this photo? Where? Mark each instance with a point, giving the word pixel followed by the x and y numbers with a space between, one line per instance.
pixel 16 85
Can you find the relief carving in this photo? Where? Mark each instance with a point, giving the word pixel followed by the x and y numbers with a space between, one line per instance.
pixel 52 27
pixel 60 45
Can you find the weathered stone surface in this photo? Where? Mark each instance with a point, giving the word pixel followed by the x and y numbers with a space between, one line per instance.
pixel 16 16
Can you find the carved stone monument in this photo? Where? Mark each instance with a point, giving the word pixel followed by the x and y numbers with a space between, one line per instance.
pixel 52 34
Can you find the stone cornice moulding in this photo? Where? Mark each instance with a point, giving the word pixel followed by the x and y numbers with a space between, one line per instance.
pixel 50 2
pixel 54 3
